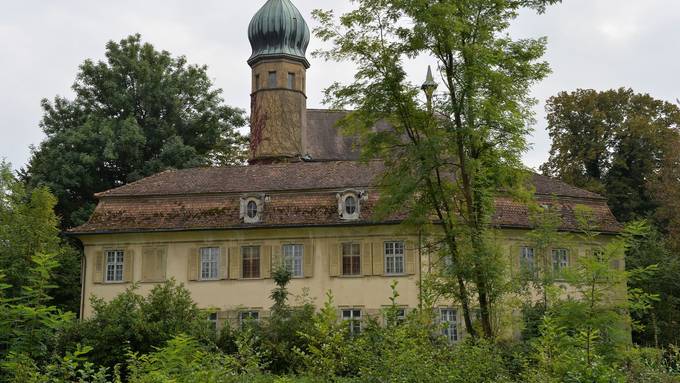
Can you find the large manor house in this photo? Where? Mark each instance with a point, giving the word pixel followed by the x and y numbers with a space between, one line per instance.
pixel 304 201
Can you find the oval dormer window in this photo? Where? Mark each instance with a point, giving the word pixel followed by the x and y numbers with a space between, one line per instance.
pixel 350 205
pixel 251 209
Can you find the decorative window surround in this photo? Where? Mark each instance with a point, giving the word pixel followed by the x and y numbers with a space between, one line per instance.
pixel 252 207
pixel 349 204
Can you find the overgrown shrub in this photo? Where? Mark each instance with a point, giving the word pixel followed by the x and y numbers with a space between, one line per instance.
pixel 135 323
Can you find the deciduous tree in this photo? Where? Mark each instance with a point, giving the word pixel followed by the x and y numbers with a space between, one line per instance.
pixel 448 162
pixel 138 112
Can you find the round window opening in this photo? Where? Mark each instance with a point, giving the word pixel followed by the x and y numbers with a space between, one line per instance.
pixel 251 209
pixel 350 205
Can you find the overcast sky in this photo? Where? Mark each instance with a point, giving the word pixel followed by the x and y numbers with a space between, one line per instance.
pixel 597 44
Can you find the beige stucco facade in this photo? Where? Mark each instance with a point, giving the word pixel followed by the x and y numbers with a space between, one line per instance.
pixel 153 257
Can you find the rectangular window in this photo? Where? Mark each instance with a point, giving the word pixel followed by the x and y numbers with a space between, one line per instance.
pixel 212 319
pixel 272 80
pixel 449 324
pixel 560 259
pixel 351 259
pixel 209 262
pixel 400 316
pixel 114 265
pixel 248 316
pixel 250 256
pixel 353 318
pixel 291 80
pixel 394 257
pixel 257 82
pixel 527 260
pixel 292 259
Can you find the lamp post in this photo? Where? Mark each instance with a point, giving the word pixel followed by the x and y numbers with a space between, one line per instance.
pixel 429 86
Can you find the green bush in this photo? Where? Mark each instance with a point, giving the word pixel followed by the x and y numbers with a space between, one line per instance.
pixel 135 323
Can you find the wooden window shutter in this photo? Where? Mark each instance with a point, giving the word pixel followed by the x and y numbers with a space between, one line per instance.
pixel 99 265
pixel 366 259
pixel 266 262
pixel 192 266
pixel 128 265
pixel 378 258
pixel 234 262
pixel 308 259
pixel 277 256
pixel 224 262
pixel 334 259
pixel 515 254
pixel 410 257
pixel 153 264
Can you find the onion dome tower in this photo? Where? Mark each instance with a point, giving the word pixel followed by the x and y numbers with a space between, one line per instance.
pixel 279 37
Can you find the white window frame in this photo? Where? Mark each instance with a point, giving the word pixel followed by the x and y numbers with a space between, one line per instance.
pixel 212 319
pixel 449 318
pixel 293 259
pixel 247 316
pixel 392 258
pixel 358 196
pixel 115 265
pixel 258 200
pixel 527 259
pixel 560 259
pixel 353 317
pixel 401 315
pixel 209 256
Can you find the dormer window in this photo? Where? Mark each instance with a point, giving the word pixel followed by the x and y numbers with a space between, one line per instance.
pixel 252 208
pixel 349 204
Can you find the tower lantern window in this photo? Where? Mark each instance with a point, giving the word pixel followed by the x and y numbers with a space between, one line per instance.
pixel 291 80
pixel 272 80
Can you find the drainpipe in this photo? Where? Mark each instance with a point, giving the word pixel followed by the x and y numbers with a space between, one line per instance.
pixel 420 268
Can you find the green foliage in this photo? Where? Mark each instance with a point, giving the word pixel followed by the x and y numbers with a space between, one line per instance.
pixel 29 324
pixel 659 324
pixel 616 143
pixel 449 157
pixel 137 113
pixel 72 367
pixel 326 353
pixel 29 226
pixel 135 323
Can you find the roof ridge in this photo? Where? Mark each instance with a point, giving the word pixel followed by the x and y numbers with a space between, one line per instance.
pixel 145 179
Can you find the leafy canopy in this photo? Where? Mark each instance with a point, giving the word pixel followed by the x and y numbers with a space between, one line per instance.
pixel 138 112
pixel 447 158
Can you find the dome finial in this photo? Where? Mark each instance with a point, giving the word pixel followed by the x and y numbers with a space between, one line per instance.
pixel 278 30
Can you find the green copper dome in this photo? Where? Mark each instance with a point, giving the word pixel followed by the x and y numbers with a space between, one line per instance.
pixel 278 30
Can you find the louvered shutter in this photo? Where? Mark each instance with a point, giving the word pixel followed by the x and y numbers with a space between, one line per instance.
pixel 192 265
pixel 378 257
pixel 410 257
pixel 99 266
pixel 128 265
pixel 334 259
pixel 224 262
pixel 308 259
pixel 234 262
pixel 366 259
pixel 266 262
pixel 277 256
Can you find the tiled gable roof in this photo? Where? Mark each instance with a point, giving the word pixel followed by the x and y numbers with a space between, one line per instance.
pixel 300 194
